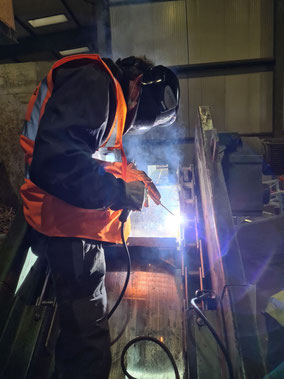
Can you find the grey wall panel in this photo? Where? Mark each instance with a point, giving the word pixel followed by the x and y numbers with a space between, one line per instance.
pixel 182 129
pixel 239 103
pixel 207 91
pixel 222 30
pixel 248 106
pixel 157 30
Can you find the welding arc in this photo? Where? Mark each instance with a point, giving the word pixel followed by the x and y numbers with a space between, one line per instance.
pixel 212 330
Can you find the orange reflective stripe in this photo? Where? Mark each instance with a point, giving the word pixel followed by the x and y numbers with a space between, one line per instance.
pixel 54 217
pixel 28 147
pixel 124 163
pixel 119 121
pixel 32 103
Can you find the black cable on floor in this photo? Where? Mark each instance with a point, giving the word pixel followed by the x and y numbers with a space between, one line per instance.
pixel 123 219
pixel 212 330
pixel 155 340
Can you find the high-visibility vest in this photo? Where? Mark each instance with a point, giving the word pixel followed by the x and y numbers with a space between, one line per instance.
pixel 48 214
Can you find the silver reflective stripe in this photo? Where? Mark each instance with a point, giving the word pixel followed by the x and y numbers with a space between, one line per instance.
pixel 111 141
pixel 31 127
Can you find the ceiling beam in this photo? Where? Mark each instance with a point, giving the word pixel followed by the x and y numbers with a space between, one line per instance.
pixel 69 10
pixel 135 2
pixel 24 26
pixel 52 42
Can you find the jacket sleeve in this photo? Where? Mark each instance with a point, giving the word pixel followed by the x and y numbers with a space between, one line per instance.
pixel 77 116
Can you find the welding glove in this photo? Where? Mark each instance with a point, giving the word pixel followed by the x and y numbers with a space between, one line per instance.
pixel 152 190
pixel 133 175
pixel 133 198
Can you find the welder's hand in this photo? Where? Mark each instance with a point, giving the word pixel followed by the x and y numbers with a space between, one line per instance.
pixel 150 186
pixel 133 175
pixel 134 197
pixel 153 192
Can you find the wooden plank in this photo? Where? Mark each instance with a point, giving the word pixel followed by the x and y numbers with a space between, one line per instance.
pixel 7 14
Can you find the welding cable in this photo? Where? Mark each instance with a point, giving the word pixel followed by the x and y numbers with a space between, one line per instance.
pixel 113 309
pixel 212 330
pixel 155 340
pixel 123 218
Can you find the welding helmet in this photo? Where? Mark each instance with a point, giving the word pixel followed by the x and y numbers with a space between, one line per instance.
pixel 159 99
pixel 159 95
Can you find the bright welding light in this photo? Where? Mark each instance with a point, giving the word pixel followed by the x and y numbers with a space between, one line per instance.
pixel 173 223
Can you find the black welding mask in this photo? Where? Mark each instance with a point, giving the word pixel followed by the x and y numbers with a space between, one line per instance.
pixel 159 100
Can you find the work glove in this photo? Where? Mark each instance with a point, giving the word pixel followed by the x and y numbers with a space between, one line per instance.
pixel 133 197
pixel 133 175
pixel 152 190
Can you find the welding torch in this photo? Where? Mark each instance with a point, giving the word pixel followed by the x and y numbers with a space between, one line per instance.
pixel 167 209
pixel 158 202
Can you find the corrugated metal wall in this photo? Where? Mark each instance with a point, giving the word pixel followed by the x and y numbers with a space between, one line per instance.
pixel 221 30
pixel 200 31
pixel 157 30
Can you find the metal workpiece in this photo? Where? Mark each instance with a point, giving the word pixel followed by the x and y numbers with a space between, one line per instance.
pixel 152 306
pixel 201 358
pixel 188 206
pixel 226 268
pixel 207 348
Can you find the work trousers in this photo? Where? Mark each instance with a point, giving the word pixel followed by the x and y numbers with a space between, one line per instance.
pixel 78 271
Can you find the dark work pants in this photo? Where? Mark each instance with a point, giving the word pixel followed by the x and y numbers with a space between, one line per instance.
pixel 78 271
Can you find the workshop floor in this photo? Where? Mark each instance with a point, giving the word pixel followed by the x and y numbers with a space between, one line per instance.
pixel 152 306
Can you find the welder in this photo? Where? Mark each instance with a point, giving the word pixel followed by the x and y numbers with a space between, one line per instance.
pixel 72 201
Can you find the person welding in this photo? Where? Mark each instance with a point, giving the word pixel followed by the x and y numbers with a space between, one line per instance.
pixel 72 201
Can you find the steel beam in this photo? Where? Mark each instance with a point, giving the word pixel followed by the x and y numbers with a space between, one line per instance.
pixel 226 267
pixel 239 67
pixel 136 2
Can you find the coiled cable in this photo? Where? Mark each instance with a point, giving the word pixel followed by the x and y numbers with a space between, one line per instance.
pixel 212 330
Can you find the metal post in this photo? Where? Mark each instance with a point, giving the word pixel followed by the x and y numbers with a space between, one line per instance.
pixel 278 77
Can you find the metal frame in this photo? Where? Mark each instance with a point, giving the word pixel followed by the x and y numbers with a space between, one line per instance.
pixel 226 267
pixel 237 67
pixel 69 10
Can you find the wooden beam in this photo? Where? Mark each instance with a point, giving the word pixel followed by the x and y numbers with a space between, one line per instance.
pixel 7 23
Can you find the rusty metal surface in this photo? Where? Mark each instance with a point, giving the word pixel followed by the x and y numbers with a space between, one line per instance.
pixel 152 306
pixel 226 267
pixel 163 243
